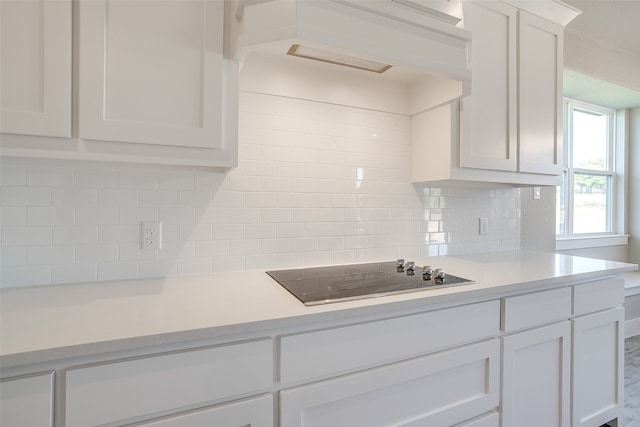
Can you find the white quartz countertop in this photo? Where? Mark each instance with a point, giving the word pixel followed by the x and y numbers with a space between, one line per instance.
pixel 58 321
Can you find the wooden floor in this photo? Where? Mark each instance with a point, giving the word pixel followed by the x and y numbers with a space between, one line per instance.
pixel 632 382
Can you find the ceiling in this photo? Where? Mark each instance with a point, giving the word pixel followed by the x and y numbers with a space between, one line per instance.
pixel 612 23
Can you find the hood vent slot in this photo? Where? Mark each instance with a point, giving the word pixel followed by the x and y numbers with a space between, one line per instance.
pixel 337 59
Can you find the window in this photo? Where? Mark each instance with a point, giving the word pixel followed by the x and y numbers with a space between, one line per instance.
pixel 585 200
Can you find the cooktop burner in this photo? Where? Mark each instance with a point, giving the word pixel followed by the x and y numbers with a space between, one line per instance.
pixel 323 285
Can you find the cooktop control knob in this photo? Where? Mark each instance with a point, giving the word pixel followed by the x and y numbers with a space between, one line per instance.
pixel 411 268
pixel 440 275
pixel 427 272
pixel 400 263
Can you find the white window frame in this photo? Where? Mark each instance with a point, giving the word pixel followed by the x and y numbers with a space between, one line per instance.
pixel 615 170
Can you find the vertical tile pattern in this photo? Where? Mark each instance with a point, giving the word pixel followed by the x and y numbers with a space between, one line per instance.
pixel 316 184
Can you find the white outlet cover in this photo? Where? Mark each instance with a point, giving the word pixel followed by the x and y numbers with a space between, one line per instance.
pixel 151 235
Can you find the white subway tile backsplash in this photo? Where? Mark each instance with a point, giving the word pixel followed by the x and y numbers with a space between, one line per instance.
pixel 25 275
pixel 25 196
pixel 158 268
pixel 137 179
pixel 26 236
pixel 13 175
pixel 41 215
pixel 117 270
pixel 96 178
pixel 244 247
pixel 51 254
pixel 213 248
pixel 13 215
pixel 244 215
pixel 74 273
pixel 13 256
pixel 126 233
pixel 176 180
pixel 158 198
pixel 74 197
pixel 50 177
pixel 116 197
pixel 275 215
pixel 316 184
pixel 134 251
pixel 244 183
pixel 181 215
pixel 94 253
pixel 276 246
pixel 228 231
pixel 290 230
pixel 64 235
pixel 191 266
pixel 129 215
pixel 194 232
pixel 260 231
pixel 195 198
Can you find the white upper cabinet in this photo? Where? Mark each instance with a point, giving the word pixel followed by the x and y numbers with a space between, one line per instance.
pixel 540 95
pixel 151 72
pixel 489 133
pixel 513 119
pixel 36 67
pixel 509 130
pixel 155 81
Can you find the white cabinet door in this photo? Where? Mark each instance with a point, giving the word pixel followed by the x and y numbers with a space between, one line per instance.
pixel 27 401
pixel 256 412
pixel 535 378
pixel 540 95
pixel 489 134
pixel 153 72
pixel 36 67
pixel 441 389
pixel 598 368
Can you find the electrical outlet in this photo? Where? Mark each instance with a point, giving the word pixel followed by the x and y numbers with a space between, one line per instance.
pixel 151 235
pixel 536 193
pixel 483 226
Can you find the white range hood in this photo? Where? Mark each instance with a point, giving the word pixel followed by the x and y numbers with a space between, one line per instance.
pixel 408 40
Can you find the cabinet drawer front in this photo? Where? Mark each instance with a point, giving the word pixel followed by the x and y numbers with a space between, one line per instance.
pixel 596 296
pixel 27 401
pixel 256 412
pixel 131 388
pixel 354 347
pixel 525 311
pixel 440 389
pixel 489 420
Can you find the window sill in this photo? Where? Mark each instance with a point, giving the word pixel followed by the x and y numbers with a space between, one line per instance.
pixel 563 244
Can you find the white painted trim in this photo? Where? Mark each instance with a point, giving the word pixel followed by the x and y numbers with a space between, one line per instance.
pixel 632 327
pixel 563 244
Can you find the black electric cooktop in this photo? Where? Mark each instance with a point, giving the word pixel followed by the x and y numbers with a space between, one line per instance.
pixel 323 285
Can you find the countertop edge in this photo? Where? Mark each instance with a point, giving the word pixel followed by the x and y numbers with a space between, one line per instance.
pixel 415 302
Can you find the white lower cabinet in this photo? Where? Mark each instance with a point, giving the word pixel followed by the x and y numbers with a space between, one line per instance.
pixel 257 412
pixel 535 377
pixel 598 367
pixel 545 357
pixel 124 390
pixel 440 389
pixel 27 401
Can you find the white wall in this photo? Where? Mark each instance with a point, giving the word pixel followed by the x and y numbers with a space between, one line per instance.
pixel 634 188
pixel 604 62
